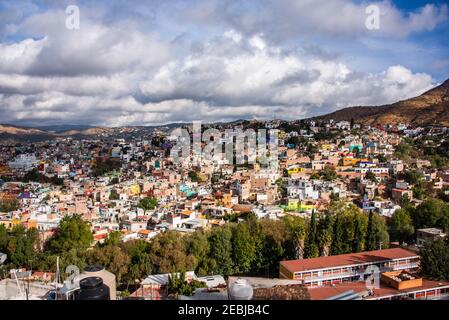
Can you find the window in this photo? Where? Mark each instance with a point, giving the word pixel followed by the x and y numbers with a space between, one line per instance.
pixel 420 295
pixel 337 271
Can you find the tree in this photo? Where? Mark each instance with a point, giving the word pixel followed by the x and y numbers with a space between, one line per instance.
pixel 114 195
pixel 435 260
pixel 371 176
pixel 141 264
pixel 244 249
pixel 413 176
pixel 401 226
pixel 73 232
pixel 3 237
pixel 221 250
pixel 296 228
pixel 325 234
pixel 328 173
pixel 178 285
pixel 311 247
pixel 112 257
pixel 114 238
pixel 198 246
pixel 168 253
pixel 9 205
pixel 20 246
pixel 377 233
pixel 357 243
pixel 432 213
pixel 337 240
pixel 370 242
pixel 148 203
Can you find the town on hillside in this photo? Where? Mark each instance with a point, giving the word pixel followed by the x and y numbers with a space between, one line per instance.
pixel 348 211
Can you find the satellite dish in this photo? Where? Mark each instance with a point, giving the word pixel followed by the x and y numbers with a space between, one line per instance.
pixel 3 257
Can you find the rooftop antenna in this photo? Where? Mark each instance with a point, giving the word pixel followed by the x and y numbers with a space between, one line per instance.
pixel 17 281
pixel 57 278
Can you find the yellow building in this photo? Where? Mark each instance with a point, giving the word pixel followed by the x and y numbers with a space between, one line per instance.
pixel 327 147
pixel 349 161
pixel 133 190
pixel 293 170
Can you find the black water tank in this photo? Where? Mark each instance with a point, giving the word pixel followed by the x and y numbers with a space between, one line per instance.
pixel 93 288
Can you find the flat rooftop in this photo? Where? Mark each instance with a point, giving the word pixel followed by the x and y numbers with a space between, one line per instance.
pixel 347 259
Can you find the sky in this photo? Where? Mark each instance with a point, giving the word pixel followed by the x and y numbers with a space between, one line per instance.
pixel 147 62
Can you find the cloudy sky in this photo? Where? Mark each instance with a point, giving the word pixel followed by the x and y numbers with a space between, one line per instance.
pixel 142 62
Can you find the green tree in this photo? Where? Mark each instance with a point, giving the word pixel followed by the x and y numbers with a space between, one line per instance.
pixel 401 226
pixel 113 238
pixel 198 246
pixel 9 205
pixel 112 257
pixel 337 246
pixel 221 250
pixel 178 285
pixel 141 264
pixel 244 249
pixel 21 246
pixel 434 261
pixel 148 203
pixel 357 243
pixel 3 237
pixel 311 249
pixel 73 232
pixel 413 176
pixel 168 253
pixel 432 213
pixel 370 241
pixel 371 176
pixel 114 195
pixel 328 173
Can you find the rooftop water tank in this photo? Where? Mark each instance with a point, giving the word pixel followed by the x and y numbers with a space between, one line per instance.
pixel 240 290
pixel 107 277
pixel 93 288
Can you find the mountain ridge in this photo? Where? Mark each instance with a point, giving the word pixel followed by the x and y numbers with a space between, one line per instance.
pixel 431 107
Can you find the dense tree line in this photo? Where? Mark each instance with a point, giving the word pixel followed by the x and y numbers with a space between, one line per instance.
pixel 432 213
pixel 344 228
pixel 251 247
pixel 435 259
pixel 35 176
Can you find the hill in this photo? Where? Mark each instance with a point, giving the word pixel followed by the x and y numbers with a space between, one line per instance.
pixel 432 107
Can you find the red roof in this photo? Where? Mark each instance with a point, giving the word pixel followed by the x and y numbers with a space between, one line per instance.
pixel 325 292
pixel 347 259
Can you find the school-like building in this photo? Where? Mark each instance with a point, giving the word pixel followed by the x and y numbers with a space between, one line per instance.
pixel 351 267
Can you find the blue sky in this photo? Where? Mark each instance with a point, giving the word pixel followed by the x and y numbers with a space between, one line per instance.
pixel 146 62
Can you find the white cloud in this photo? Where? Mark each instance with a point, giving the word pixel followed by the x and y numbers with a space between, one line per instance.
pixel 106 75
pixel 287 19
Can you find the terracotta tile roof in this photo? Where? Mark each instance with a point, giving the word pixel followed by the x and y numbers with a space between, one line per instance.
pixel 347 259
pixel 322 293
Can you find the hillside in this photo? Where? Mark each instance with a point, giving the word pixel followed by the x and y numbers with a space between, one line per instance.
pixel 432 107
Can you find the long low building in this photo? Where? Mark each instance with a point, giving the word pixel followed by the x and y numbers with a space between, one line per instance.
pixel 332 270
pixel 426 290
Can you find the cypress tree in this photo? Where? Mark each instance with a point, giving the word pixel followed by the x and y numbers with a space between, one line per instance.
pixel 357 242
pixel 370 242
pixel 311 246
pixel 337 240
